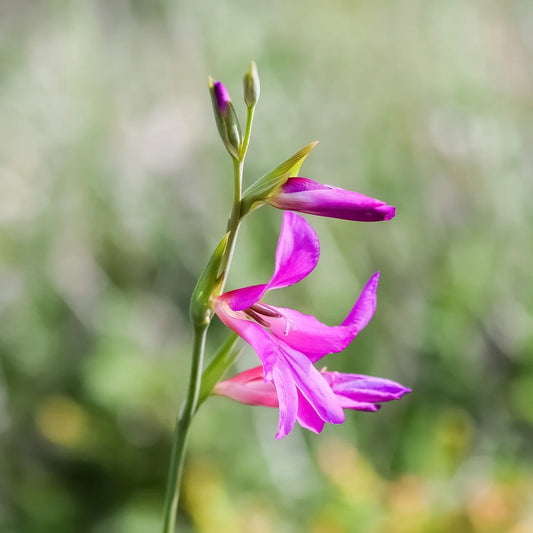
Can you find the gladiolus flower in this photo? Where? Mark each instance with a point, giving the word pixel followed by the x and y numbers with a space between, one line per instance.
pixel 353 391
pixel 308 196
pixel 288 342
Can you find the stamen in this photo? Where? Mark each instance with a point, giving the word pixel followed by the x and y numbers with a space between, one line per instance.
pixel 258 318
pixel 265 310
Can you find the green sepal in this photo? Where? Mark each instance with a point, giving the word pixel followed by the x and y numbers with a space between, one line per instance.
pixel 233 131
pixel 219 365
pixel 227 124
pixel 251 85
pixel 207 286
pixel 269 184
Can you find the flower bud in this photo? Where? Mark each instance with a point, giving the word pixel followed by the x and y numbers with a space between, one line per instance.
pixel 225 117
pixel 307 196
pixel 251 85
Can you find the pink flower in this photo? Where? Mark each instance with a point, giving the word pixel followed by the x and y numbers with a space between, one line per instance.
pixel 288 342
pixel 308 196
pixel 353 391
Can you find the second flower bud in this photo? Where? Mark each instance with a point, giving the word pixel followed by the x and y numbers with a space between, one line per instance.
pixel 226 118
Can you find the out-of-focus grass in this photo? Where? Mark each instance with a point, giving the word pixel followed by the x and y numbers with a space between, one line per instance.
pixel 114 189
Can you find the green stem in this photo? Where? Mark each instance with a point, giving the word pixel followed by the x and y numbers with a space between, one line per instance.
pixel 234 220
pixel 192 401
pixel 247 133
pixel 182 429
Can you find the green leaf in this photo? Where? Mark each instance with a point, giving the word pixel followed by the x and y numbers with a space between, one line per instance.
pixel 206 286
pixel 257 193
pixel 219 365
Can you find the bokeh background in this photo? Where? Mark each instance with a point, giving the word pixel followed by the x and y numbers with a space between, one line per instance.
pixel 114 189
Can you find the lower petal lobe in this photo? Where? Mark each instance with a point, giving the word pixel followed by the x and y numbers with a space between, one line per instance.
pixel 287 399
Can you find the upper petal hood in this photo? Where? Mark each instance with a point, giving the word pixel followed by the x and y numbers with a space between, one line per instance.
pixel 297 254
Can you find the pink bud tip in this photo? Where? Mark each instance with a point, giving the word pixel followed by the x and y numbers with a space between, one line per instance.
pixel 222 96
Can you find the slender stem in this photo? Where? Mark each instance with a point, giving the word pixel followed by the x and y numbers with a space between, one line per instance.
pixel 200 332
pixel 191 402
pixel 247 133
pixel 233 221
pixel 182 428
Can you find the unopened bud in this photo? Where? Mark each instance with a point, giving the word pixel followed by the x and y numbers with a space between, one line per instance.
pixel 225 117
pixel 251 85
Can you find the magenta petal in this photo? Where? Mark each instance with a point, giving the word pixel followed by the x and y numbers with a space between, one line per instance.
pixel 365 388
pixel 252 333
pixel 312 385
pixel 358 406
pixel 308 335
pixel 297 252
pixel 307 416
pixel 252 375
pixel 365 307
pixel 249 388
pixel 241 299
pixel 287 398
pixel 308 196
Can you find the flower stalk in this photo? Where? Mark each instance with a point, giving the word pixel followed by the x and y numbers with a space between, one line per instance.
pixel 191 402
pixel 182 430
pixel 202 319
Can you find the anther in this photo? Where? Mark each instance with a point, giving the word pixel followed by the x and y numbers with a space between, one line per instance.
pixel 264 310
pixel 257 317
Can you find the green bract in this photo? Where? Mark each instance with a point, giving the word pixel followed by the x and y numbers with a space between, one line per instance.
pixel 269 184
pixel 207 286
pixel 251 85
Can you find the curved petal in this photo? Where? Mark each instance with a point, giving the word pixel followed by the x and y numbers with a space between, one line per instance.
pixel 287 398
pixel 365 307
pixel 252 375
pixel 252 333
pixel 307 417
pixel 312 385
pixel 241 299
pixel 249 388
pixel 308 196
pixel 358 406
pixel 297 252
pixel 308 335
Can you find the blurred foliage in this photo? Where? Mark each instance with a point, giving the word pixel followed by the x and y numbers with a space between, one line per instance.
pixel 114 189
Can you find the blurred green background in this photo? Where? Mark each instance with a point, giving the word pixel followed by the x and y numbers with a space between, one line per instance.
pixel 114 189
